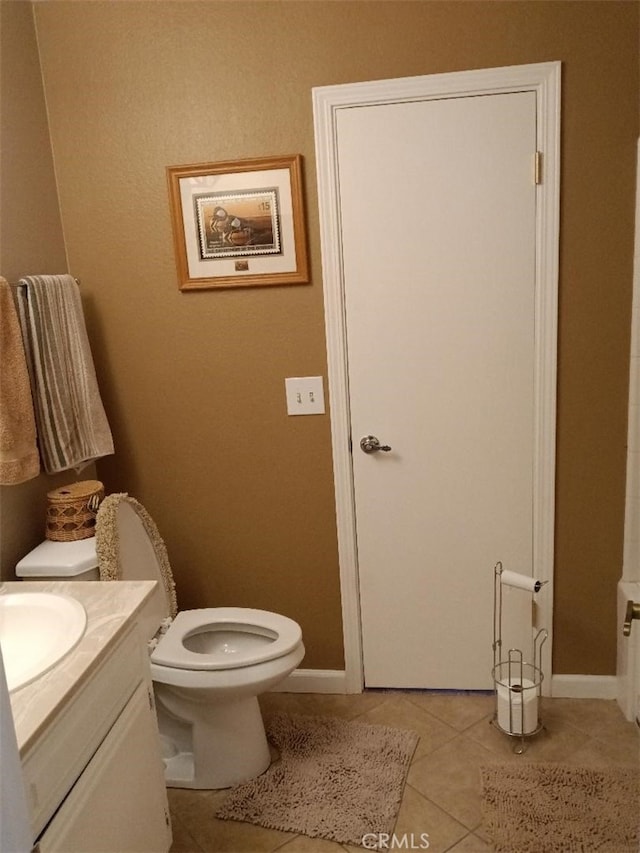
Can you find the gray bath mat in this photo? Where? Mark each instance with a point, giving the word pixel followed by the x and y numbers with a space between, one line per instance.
pixel 334 779
pixel 546 808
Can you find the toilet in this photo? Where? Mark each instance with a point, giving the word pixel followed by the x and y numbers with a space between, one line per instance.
pixel 208 665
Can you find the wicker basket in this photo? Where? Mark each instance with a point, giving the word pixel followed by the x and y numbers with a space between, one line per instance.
pixel 71 511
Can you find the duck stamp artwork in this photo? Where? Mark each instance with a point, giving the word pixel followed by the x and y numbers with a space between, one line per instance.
pixel 238 224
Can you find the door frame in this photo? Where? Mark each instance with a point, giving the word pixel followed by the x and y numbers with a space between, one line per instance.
pixel 544 79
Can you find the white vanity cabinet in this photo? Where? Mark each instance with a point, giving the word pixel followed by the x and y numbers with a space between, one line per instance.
pixel 114 805
pixel 93 772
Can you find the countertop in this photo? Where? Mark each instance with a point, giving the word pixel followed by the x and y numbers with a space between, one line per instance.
pixel 109 606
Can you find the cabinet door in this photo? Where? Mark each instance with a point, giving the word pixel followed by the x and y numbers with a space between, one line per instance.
pixel 119 803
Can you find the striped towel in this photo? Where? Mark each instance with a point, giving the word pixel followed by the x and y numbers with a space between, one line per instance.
pixel 72 425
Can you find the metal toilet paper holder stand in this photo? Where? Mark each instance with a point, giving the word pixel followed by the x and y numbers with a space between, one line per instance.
pixel 517 683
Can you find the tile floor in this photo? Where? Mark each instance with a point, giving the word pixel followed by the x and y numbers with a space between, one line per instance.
pixel 442 794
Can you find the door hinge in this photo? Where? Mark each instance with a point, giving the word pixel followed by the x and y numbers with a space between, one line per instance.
pixel 537 167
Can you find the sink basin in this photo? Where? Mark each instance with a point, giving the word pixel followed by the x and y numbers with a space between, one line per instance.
pixel 37 629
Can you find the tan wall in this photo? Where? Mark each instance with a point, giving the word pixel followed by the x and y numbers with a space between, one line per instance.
pixel 193 382
pixel 30 235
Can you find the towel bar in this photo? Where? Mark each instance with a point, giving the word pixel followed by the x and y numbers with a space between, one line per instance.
pixel 16 284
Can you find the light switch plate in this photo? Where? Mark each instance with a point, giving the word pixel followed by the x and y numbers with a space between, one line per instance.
pixel 305 395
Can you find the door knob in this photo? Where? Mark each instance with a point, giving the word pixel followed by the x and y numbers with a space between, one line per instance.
pixel 633 612
pixel 371 444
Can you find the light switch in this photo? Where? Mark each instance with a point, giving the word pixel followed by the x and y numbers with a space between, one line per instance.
pixel 305 395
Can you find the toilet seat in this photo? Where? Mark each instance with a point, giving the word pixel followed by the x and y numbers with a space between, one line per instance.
pixel 225 638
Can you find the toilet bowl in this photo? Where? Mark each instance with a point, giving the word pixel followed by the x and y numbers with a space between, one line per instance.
pixel 208 665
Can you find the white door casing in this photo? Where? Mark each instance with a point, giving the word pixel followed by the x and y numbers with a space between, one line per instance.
pixel 544 81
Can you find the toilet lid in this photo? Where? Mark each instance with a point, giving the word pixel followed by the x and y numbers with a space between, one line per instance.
pixel 225 638
pixel 130 548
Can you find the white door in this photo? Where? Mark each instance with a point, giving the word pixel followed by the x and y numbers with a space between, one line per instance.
pixel 437 208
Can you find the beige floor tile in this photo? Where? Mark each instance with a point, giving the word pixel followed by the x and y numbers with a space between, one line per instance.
pixel 183 841
pixel 196 810
pixel 183 800
pixel 605 752
pixel 471 843
pixel 556 742
pixel 458 710
pixel 442 797
pixel 450 777
pixel 322 704
pixel 423 825
pixel 595 717
pixel 303 844
pixel 396 710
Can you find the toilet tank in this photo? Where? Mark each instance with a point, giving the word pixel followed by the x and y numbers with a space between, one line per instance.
pixel 78 561
pixel 61 561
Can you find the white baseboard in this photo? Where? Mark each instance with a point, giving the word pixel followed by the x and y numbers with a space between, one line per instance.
pixel 562 686
pixel 584 686
pixel 313 681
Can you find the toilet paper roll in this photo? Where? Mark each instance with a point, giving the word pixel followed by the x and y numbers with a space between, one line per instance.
pixel 521 581
pixel 518 706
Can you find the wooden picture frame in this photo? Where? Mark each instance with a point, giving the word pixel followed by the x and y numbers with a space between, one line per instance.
pixel 239 223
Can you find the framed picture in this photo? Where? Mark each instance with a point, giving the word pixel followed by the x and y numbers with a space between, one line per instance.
pixel 239 223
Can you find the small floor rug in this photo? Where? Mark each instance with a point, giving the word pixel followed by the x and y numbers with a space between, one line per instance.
pixel 545 808
pixel 334 779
